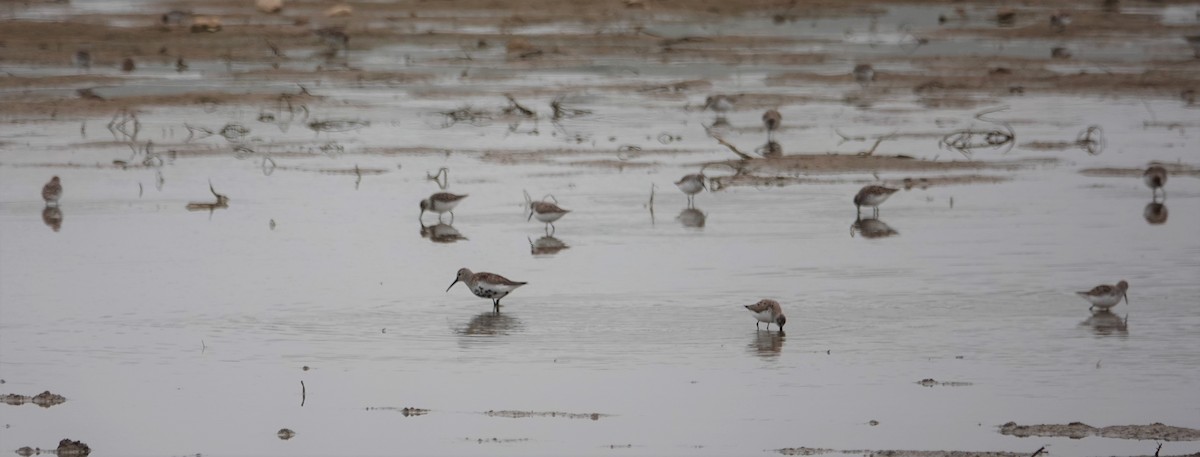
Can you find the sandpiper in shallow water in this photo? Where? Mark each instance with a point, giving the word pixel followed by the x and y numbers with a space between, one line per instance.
pixel 691 185
pixel 771 120
pixel 872 196
pixel 546 212
pixel 1155 178
pixel 767 310
pixel 1105 296
pixel 486 285
pixel 441 202
pixel 52 191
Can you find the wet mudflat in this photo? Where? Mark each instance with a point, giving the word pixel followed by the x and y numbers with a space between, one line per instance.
pixel 237 252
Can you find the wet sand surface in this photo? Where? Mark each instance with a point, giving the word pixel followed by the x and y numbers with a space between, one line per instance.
pixel 236 266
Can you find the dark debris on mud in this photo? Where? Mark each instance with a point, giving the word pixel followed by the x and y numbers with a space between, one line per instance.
pixel 45 399
pixel 66 448
pixel 407 411
pixel 1077 430
pixel 522 414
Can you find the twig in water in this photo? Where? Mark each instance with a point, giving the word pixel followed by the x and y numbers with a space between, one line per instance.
pixel 1039 451
pixel 732 148
pixel 513 106
pixel 966 141
pixel 442 178
pixel 1156 451
pixel 651 204
pixel 1091 140
pixel 303 393
pixel 561 112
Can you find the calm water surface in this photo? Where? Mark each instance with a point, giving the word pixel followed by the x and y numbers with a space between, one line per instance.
pixel 176 333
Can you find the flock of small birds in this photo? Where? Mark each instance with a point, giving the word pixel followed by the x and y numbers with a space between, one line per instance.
pixel 495 287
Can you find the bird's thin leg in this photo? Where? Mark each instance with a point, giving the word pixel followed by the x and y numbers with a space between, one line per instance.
pixel 451 217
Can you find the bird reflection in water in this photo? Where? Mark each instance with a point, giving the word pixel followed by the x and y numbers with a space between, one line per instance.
pixel 871 228
pixel 692 218
pixel 767 344
pixel 546 245
pixel 441 233
pixel 53 217
pixel 491 324
pixel 1155 213
pixel 1106 323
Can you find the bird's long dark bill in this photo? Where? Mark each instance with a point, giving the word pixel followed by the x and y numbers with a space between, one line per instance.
pixel 1126 298
pixel 452 284
pixel 530 218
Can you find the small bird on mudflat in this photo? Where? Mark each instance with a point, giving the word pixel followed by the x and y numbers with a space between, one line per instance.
pixel 546 212
pixel 1105 296
pixel 1155 178
pixel 691 185
pixel 52 191
pixel 486 285
pixel 441 202
pixel 767 310
pixel 872 196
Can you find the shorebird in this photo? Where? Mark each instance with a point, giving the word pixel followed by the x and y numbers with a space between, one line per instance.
pixel 720 104
pixel 691 185
pixel 82 59
pixel 52 191
pixel 441 202
pixel 546 212
pixel 872 196
pixel 1155 178
pixel 1105 296
pixel 334 38
pixel 486 285
pixel 864 73
pixel 771 120
pixel 767 310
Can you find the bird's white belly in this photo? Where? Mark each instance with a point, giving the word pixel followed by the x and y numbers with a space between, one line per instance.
pixel 441 207
pixel 1103 301
pixel 548 217
pixel 690 187
pixel 875 199
pixel 764 316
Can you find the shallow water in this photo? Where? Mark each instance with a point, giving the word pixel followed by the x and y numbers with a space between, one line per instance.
pixel 178 333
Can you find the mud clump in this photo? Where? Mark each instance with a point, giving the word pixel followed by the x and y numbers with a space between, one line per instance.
pixel 522 414
pixel 930 382
pixel 66 447
pixel 1078 430
pixel 285 434
pixel 407 411
pixel 45 399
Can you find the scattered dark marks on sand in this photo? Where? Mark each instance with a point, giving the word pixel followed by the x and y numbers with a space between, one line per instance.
pixel 1077 430
pixel 522 414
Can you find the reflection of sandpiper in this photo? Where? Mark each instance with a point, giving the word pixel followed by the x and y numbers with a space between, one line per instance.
pixel 872 196
pixel 1155 213
pixel 769 311
pixel 1105 296
pixel 53 217
pixel 872 228
pixel 52 191
pixel 692 218
pixel 767 344
pixel 490 324
pixel 441 233
pixel 1104 322
pixel 441 202
pixel 546 245
pixel 1155 178
pixel 864 74
pixel 691 185
pixel 546 212
pixel 486 285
